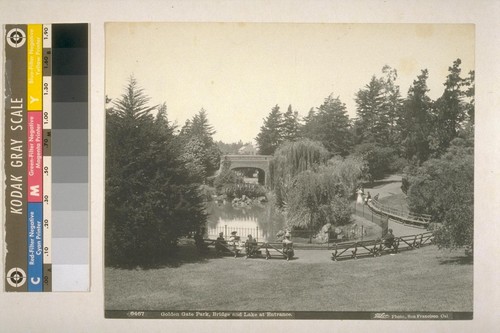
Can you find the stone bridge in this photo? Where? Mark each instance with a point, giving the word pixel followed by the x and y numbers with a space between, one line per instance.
pixel 259 162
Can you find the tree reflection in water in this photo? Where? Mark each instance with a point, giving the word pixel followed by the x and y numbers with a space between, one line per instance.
pixel 261 217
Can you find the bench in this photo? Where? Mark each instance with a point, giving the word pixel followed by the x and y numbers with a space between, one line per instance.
pixel 355 250
pixel 227 247
pixel 275 250
pixel 373 248
pixel 235 250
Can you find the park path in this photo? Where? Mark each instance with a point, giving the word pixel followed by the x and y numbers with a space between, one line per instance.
pixel 386 187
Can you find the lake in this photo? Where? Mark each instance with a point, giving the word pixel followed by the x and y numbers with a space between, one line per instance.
pixel 258 220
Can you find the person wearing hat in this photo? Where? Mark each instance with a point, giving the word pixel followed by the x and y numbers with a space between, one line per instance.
pixel 234 237
pixel 219 247
pixel 234 240
pixel 287 247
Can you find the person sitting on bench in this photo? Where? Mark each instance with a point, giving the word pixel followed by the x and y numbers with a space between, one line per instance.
pixel 219 247
pixel 234 241
pixel 389 239
pixel 287 247
pixel 250 245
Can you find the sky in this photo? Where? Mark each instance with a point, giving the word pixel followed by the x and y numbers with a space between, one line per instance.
pixel 238 71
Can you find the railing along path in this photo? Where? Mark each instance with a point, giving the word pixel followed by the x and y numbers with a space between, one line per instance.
pixel 417 220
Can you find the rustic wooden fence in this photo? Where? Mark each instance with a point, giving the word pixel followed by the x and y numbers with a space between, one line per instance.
pixel 416 220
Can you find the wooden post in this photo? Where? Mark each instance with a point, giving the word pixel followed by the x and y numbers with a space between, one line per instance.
pixel 257 234
pixel 225 230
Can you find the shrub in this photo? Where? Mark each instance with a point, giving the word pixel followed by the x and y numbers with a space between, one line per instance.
pixel 379 159
pixel 444 188
pixel 249 190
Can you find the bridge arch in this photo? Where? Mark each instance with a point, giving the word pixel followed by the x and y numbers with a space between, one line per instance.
pixel 261 173
pixel 259 162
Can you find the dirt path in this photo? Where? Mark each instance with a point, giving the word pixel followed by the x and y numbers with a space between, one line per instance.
pixel 388 186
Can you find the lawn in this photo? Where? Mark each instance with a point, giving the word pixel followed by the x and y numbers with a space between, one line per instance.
pixel 425 279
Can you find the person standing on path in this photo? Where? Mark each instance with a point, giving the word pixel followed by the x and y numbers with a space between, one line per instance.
pixel 360 196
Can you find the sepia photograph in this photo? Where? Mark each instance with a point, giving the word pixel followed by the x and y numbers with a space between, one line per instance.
pixel 289 171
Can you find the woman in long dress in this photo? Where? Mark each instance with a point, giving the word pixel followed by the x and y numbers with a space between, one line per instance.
pixel 360 196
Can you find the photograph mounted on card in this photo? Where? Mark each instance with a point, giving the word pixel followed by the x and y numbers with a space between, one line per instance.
pixel 289 171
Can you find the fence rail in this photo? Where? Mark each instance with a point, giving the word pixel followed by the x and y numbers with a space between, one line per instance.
pixel 419 220
pixel 374 248
pixel 240 231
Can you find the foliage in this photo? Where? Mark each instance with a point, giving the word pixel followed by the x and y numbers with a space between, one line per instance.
pixel 444 188
pixel 230 148
pixel 379 107
pixel 347 172
pixel 198 147
pixel 398 164
pixel 416 120
pixel 379 160
pixel 371 125
pixel 468 94
pixel 238 190
pixel 337 212
pixel 271 132
pixel 151 200
pixel 330 125
pixel 320 195
pixel 315 199
pixel 291 125
pixel 226 177
pixel 291 159
pixel 194 158
pixel 451 110
pixel 207 192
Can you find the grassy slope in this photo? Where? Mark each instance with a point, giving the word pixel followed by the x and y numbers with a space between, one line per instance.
pixel 421 280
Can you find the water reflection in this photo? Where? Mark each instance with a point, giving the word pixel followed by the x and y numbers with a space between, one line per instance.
pixel 259 220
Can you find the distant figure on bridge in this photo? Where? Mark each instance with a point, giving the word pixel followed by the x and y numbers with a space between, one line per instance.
pixel 360 196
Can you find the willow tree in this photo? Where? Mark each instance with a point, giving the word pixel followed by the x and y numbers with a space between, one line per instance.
pixel 312 190
pixel 291 159
pixel 319 197
pixel 347 172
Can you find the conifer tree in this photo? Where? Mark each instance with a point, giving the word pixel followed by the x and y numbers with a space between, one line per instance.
pixel 151 199
pixel 270 135
pixel 198 147
pixel 450 111
pixel 330 125
pixel 415 122
pixel 291 125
